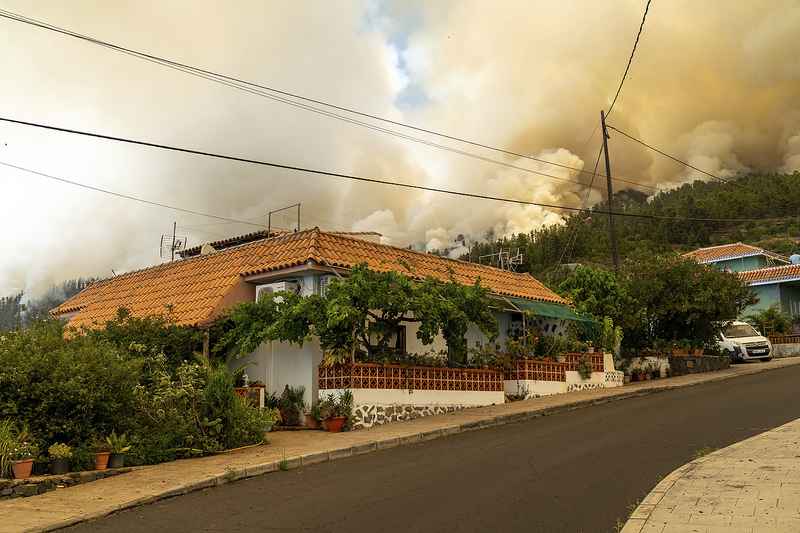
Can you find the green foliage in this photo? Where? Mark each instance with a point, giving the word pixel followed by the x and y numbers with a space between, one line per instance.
pixel 66 390
pixel 292 405
pixel 676 298
pixel 585 239
pixel 333 405
pixel 585 367
pixel 772 321
pixel 659 300
pixel 76 389
pixel 362 314
pixel 59 450
pixel 159 334
pixel 595 291
pixel 8 440
pixel 610 336
pixel 117 443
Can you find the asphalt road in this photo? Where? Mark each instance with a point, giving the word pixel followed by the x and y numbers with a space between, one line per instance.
pixel 577 471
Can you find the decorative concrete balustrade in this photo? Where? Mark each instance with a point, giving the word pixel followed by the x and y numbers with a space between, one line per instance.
pixel 388 393
pixel 533 378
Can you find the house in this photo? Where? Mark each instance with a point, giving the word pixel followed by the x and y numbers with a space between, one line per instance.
pixel 197 290
pixel 736 257
pixel 774 278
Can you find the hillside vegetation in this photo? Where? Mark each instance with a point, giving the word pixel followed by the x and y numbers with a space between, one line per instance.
pixel 584 238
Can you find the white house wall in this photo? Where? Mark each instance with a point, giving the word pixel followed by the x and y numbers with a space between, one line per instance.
pixel 278 364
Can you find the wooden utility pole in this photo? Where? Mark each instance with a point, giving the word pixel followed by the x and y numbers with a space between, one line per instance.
pixel 612 234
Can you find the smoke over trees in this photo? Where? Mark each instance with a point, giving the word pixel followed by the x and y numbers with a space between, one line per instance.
pixel 14 313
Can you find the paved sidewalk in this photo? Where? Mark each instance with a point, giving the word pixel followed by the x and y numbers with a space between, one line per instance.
pixel 749 487
pixel 65 507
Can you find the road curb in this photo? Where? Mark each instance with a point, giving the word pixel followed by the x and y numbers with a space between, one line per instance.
pixel 298 461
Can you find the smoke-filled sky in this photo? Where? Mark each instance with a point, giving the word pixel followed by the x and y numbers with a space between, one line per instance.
pixel 717 83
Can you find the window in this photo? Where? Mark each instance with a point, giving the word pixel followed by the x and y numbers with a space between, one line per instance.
pixel 735 331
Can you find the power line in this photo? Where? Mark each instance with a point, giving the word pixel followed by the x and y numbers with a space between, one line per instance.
pixel 246 86
pixel 651 147
pixel 630 59
pixel 349 177
pixel 126 196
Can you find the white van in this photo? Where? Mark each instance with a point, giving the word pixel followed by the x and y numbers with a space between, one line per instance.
pixel 741 342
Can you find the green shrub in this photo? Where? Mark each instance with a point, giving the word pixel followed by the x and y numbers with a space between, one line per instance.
pixel 64 390
pixel 79 388
pixel 59 450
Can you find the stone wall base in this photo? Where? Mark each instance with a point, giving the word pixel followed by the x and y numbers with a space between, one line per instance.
pixel 22 488
pixel 681 365
pixel 365 416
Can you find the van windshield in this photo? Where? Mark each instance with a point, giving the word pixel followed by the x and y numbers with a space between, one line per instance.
pixel 740 330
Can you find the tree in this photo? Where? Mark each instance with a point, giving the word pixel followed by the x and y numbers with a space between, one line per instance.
pixel 658 299
pixel 362 314
pixel 10 312
pixel 772 320
pixel 674 298
pixel 596 291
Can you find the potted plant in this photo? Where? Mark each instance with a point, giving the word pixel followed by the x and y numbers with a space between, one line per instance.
pixel 60 454
pixel 22 456
pixel 291 405
pixel 585 367
pixel 337 411
pixel 313 417
pixel 102 453
pixel 118 446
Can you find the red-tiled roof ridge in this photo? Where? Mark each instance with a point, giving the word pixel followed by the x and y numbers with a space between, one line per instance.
pixel 723 252
pixel 774 273
pixel 416 253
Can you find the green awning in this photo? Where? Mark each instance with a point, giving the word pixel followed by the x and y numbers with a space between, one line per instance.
pixel 548 310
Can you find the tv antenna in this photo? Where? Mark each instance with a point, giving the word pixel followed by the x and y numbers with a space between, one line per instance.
pixel 270 213
pixel 503 259
pixel 171 244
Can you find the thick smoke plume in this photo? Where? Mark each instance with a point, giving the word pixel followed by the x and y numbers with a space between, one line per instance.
pixel 716 84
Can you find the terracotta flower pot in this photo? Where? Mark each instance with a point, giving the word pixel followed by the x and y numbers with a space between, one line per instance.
pixel 335 424
pixel 101 460
pixel 59 466
pixel 22 469
pixel 311 422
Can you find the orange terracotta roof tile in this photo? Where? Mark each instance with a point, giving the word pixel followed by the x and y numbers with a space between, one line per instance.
pixel 192 290
pixel 778 273
pixel 724 252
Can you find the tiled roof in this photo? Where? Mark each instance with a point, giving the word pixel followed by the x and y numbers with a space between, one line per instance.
pixel 262 234
pixel 778 273
pixel 726 251
pixel 194 290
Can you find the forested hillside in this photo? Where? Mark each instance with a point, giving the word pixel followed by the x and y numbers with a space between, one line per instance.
pixel 584 237
pixel 15 311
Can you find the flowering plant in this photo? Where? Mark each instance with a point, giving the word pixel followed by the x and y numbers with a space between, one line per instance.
pixel 60 451
pixel 24 450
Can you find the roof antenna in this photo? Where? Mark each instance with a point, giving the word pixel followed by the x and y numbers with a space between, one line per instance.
pixel 171 243
pixel 270 213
